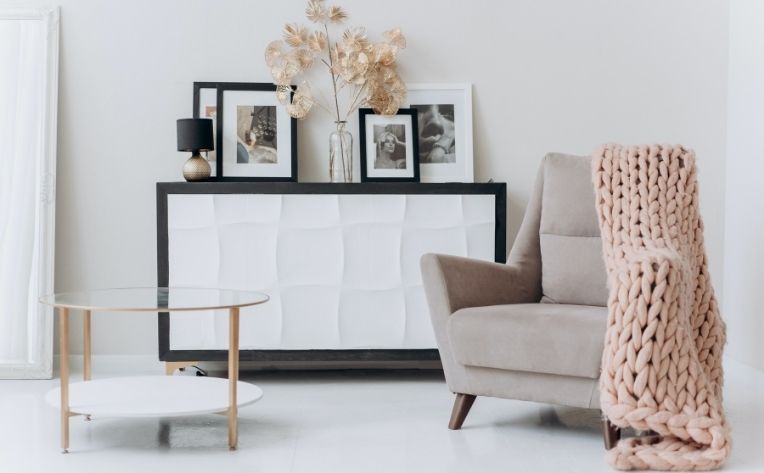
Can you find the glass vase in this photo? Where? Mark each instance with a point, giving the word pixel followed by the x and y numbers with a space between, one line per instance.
pixel 341 154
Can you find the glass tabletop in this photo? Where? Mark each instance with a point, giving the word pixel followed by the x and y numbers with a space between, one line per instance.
pixel 155 299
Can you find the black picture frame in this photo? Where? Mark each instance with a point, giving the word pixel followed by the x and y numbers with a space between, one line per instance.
pixel 362 114
pixel 198 87
pixel 166 189
pixel 222 88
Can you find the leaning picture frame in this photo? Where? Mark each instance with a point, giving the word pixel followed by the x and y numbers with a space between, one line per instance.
pixel 205 106
pixel 388 146
pixel 256 138
pixel 444 113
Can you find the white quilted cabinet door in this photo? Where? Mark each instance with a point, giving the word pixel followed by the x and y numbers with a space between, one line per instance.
pixel 342 270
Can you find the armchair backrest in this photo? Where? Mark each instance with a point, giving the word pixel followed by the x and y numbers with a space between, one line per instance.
pixel 559 241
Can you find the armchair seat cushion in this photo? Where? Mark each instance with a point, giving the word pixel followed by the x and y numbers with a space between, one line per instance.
pixel 559 339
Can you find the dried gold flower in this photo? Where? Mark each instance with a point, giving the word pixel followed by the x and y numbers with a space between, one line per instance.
pixel 353 67
pixel 316 12
pixel 337 14
pixel 387 92
pixel 285 71
pixel 383 53
pixel 295 35
pixel 283 93
pixel 303 57
pixel 381 101
pixel 388 76
pixel 274 52
pixel 302 102
pixel 355 38
pixel 318 41
pixel 366 71
pixel 395 38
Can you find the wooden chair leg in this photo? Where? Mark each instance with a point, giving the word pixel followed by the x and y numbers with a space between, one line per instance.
pixel 610 433
pixel 462 405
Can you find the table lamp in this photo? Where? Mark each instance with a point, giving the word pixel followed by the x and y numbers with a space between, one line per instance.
pixel 195 135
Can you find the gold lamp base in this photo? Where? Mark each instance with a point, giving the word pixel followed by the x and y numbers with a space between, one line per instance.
pixel 196 168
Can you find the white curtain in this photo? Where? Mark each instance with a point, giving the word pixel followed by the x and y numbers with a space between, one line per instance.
pixel 24 182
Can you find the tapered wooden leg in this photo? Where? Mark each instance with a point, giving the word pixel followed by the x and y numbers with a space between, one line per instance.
pixel 86 366
pixel 63 328
pixel 610 433
pixel 462 405
pixel 233 376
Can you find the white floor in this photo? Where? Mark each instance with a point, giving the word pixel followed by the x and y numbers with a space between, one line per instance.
pixel 343 422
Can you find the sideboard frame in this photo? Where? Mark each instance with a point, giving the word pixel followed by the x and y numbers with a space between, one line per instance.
pixel 164 189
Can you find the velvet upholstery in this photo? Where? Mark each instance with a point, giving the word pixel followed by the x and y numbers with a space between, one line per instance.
pixel 573 270
pixel 494 335
pixel 559 339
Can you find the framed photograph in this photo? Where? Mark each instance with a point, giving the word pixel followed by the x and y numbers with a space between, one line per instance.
pixel 389 147
pixel 206 106
pixel 444 113
pixel 256 138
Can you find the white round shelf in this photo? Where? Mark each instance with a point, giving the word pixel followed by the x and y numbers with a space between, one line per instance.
pixel 153 396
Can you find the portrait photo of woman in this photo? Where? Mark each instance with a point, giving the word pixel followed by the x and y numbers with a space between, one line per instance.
pixel 389 146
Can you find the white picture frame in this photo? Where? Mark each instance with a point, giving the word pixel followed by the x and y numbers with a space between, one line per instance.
pixel 242 156
pixel 38 319
pixel 458 96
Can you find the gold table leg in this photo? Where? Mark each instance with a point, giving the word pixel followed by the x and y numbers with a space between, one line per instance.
pixel 233 376
pixel 86 345
pixel 63 327
pixel 86 358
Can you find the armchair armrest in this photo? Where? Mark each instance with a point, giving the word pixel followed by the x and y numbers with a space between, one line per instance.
pixel 452 283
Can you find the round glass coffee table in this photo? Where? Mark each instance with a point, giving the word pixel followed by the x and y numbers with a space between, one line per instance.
pixel 146 396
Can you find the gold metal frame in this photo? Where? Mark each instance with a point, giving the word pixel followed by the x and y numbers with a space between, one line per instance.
pixel 233 376
pixel 233 371
pixel 86 345
pixel 63 327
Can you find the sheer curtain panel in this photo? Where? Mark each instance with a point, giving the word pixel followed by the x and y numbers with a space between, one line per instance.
pixel 28 97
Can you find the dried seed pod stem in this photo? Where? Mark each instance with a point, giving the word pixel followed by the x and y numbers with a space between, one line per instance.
pixel 362 73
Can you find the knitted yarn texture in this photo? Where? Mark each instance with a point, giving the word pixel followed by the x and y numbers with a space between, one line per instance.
pixel 662 363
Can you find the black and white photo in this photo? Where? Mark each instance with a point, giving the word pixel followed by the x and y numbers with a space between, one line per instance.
pixel 389 146
pixel 437 133
pixel 256 138
pixel 444 113
pixel 256 134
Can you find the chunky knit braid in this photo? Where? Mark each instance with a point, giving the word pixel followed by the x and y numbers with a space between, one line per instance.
pixel 661 368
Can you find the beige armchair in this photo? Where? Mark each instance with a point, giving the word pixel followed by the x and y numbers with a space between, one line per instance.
pixel 532 329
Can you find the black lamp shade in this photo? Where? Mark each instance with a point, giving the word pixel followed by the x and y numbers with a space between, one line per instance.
pixel 195 134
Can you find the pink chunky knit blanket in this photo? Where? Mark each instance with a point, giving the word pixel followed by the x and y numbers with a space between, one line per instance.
pixel 662 363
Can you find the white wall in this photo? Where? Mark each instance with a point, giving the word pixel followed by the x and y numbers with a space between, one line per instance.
pixel 744 229
pixel 548 76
